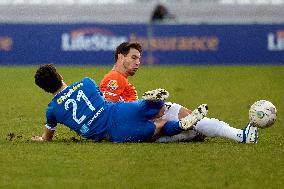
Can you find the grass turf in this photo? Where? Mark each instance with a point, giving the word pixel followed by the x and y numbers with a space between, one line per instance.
pixel 71 162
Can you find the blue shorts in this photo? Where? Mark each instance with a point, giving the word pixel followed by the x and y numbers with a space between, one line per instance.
pixel 131 121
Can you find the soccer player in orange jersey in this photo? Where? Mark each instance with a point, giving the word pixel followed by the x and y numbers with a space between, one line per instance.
pixel 116 87
pixel 115 84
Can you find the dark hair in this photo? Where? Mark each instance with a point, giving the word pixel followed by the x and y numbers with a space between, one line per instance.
pixel 47 78
pixel 124 48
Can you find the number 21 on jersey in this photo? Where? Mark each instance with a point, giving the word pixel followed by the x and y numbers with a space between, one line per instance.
pixel 73 102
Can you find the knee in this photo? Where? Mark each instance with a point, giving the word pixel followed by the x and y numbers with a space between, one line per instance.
pixel 183 112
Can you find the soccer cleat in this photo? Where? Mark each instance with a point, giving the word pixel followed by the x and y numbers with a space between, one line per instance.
pixel 156 95
pixel 196 115
pixel 250 134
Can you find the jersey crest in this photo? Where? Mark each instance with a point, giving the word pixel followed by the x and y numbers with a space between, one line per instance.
pixel 112 85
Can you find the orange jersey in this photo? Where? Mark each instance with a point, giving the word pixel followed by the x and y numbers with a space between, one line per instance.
pixel 116 87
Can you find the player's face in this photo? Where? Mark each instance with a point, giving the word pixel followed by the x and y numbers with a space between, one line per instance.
pixel 131 62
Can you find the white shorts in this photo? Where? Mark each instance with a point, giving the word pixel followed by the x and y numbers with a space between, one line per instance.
pixel 171 111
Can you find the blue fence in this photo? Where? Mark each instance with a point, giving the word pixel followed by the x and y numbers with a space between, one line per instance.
pixel 162 44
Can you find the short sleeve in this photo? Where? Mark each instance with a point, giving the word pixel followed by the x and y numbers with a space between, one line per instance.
pixel 51 122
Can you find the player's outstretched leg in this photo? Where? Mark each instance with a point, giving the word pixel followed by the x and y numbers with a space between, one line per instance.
pixel 212 127
pixel 156 95
pixel 189 121
pixel 250 134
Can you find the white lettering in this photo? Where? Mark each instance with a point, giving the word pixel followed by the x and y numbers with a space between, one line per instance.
pixel 109 93
pixel 96 115
pixel 95 42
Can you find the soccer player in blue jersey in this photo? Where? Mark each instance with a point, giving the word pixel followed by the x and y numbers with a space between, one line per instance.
pixel 82 107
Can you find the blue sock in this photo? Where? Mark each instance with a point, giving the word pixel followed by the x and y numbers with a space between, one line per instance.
pixel 171 128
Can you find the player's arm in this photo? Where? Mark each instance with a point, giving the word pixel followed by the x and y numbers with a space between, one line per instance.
pixel 50 127
pixel 46 136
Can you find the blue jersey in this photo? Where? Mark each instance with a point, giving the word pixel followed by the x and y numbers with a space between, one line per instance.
pixel 81 107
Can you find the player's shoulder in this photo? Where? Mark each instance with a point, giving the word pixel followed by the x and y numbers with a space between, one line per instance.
pixel 113 76
pixel 88 81
pixel 50 107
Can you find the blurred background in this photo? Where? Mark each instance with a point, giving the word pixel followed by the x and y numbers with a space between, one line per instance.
pixel 171 31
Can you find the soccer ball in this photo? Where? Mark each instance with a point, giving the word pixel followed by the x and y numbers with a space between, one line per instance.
pixel 262 114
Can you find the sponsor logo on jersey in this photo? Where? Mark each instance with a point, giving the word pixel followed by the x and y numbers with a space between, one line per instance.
pixel 109 93
pixel 84 129
pixel 69 93
pixel 276 41
pixel 6 43
pixel 96 115
pixel 91 39
pixel 112 85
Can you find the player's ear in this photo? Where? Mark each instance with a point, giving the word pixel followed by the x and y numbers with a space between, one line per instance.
pixel 120 56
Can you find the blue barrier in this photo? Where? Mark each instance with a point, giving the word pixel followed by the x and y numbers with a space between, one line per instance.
pixel 162 44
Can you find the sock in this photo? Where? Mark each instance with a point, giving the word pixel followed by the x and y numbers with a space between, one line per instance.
pixel 171 128
pixel 215 128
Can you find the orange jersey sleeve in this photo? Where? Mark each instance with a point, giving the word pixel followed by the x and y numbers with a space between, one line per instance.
pixel 116 87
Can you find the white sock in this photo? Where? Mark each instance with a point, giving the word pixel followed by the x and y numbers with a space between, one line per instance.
pixel 215 128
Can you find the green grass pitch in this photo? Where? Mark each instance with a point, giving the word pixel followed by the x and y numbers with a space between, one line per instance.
pixel 71 162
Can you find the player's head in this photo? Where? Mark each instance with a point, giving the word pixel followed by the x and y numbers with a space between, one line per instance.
pixel 125 47
pixel 127 57
pixel 47 78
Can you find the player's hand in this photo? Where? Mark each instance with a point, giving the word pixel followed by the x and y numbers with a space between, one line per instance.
pixel 37 138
